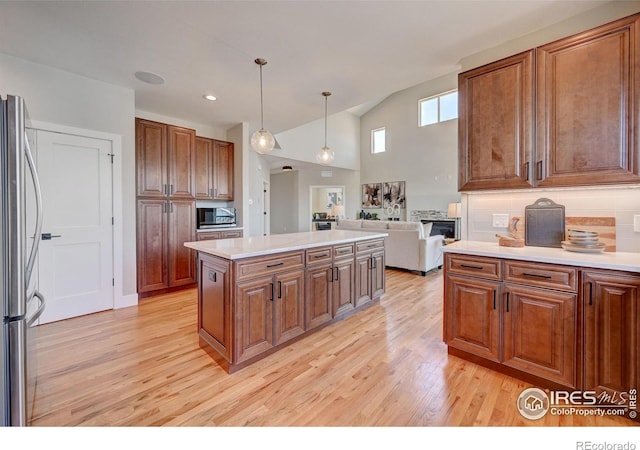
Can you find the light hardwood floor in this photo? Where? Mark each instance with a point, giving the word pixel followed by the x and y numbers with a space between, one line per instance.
pixel 384 366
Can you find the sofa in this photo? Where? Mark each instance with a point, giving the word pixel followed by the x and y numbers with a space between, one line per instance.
pixel 408 246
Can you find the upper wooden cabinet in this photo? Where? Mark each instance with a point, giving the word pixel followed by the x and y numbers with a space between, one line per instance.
pixel 496 124
pixel 581 116
pixel 165 160
pixel 214 169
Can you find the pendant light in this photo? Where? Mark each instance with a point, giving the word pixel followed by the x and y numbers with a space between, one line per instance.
pixel 325 154
pixel 262 141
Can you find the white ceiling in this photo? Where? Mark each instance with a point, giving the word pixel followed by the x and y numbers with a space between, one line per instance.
pixel 361 51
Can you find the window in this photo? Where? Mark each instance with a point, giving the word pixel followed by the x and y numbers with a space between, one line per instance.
pixel 378 138
pixel 438 108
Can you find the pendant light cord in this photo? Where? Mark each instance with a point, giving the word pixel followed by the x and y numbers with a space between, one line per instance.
pixel 325 121
pixel 261 106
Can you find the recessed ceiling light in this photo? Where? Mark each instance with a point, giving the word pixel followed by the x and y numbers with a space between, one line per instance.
pixel 210 97
pixel 149 77
pixel 287 168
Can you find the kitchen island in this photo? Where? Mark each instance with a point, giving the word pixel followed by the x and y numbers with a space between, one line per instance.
pixel 259 294
pixel 558 319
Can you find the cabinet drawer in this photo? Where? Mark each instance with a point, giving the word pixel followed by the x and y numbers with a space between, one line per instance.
pixel 366 246
pixel 318 255
pixel 475 266
pixel 231 234
pixel 267 265
pixel 544 275
pixel 343 251
pixel 203 236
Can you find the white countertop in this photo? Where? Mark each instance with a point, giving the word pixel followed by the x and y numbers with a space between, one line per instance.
pixel 246 247
pixel 626 261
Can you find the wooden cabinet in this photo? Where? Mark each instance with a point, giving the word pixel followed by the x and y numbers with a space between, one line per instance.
pixel 514 314
pixel 472 316
pixel 588 90
pixel 214 304
pixel 330 284
pixel 165 160
pixel 495 124
pixel 250 307
pixel 269 303
pixel 227 234
pixel 214 169
pixel 369 279
pixel 611 309
pixel 584 116
pixel 539 332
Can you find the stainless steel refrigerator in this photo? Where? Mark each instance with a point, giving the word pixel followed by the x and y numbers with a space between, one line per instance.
pixel 22 304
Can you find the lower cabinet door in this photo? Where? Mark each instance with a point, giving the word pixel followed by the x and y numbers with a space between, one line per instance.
pixel 254 317
pixel 182 228
pixel 152 245
pixel 539 332
pixel 611 305
pixel 288 321
pixel 363 279
pixel 472 316
pixel 318 308
pixel 343 296
pixel 377 281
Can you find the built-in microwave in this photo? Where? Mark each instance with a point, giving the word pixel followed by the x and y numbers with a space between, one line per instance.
pixel 215 217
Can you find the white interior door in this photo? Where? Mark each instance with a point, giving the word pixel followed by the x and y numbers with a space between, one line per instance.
pixel 76 263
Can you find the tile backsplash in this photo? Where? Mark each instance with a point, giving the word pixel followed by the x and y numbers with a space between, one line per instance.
pixel 619 202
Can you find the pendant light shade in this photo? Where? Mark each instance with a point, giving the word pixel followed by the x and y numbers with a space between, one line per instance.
pixel 325 154
pixel 262 141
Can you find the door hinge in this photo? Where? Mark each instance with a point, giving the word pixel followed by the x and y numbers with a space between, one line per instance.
pixel 113 282
pixel 111 155
pixel 113 222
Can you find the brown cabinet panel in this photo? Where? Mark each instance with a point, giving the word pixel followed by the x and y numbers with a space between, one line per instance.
pixel 203 169
pixel 151 158
pixel 254 318
pixel 539 332
pixel 472 316
pixel 223 170
pixel 264 265
pixel 182 228
pixel 587 103
pixel 344 287
pixel 611 304
pixel 363 280
pixel 318 308
pixel 231 234
pixel 152 245
pixel 318 255
pixel 377 272
pixel 550 276
pixel 214 309
pixel 474 266
pixel 496 124
pixel 181 162
pixel 289 306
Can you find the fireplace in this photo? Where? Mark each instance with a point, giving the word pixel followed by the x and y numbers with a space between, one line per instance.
pixel 449 228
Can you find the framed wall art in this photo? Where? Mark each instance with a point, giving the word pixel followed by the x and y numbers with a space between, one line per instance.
pixel 394 194
pixel 372 195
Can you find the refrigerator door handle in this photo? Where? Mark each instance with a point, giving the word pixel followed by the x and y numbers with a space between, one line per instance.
pixel 40 309
pixel 38 231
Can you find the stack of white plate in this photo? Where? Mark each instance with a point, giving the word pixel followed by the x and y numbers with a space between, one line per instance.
pixel 583 241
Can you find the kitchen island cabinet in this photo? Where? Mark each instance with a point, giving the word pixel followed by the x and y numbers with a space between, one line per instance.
pixel 557 319
pixel 257 295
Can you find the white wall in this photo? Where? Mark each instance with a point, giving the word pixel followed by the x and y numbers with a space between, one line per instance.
pixel 350 179
pixel 303 142
pixel 63 98
pixel 426 158
pixel 202 130
pixel 284 202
